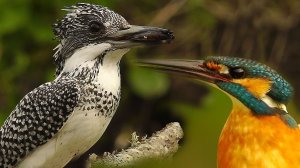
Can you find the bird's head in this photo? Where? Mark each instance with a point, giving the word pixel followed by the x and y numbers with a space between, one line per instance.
pixel 88 31
pixel 255 85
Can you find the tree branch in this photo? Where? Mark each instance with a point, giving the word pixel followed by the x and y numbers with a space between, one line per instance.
pixel 161 145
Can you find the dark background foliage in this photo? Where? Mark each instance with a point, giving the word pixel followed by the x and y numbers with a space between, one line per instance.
pixel 264 30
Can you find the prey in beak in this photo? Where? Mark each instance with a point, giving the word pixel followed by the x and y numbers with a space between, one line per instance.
pixel 135 36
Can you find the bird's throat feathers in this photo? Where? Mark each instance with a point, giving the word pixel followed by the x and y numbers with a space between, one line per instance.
pixel 252 95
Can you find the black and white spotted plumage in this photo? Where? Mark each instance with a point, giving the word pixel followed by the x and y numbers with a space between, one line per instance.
pixel 64 118
pixel 42 113
pixel 37 118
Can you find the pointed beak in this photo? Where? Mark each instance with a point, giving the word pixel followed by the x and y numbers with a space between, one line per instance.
pixel 135 36
pixel 192 68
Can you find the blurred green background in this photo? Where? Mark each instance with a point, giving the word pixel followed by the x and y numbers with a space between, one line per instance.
pixel 264 30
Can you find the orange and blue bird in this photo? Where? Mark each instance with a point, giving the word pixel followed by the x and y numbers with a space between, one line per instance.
pixel 259 132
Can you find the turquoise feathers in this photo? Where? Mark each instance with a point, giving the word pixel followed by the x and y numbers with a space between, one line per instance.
pixel 281 90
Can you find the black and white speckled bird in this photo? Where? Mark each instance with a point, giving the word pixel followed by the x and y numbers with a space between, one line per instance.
pixel 62 119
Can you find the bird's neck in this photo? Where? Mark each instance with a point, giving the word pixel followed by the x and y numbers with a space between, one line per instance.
pixel 108 71
pixel 103 71
pixel 246 136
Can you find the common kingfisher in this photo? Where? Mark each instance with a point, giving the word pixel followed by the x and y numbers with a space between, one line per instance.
pixel 259 132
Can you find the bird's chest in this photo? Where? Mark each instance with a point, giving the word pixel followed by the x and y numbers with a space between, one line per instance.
pixel 81 131
pixel 91 117
pixel 263 142
pixel 98 101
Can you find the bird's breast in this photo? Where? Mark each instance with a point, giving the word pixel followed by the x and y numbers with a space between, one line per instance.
pixel 248 140
pixel 81 131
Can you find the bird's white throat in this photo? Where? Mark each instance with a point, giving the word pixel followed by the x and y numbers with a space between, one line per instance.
pixel 109 72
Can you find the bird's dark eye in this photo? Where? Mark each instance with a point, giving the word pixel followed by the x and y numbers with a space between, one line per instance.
pixel 237 72
pixel 96 27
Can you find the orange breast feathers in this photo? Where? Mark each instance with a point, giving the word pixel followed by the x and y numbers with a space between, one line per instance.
pixel 250 141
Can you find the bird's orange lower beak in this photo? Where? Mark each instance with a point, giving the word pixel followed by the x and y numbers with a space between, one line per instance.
pixel 193 68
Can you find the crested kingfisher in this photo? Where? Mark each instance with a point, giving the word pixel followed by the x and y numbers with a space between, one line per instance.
pixel 62 119
pixel 259 131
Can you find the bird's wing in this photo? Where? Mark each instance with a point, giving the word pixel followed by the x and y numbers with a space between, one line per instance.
pixel 36 119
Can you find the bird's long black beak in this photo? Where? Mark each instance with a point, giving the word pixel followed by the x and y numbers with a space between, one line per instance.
pixel 135 36
pixel 194 68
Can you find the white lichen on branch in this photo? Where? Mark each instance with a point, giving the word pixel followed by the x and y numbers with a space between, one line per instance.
pixel 161 145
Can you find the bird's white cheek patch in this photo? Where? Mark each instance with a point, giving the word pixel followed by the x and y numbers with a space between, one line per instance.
pixel 272 103
pixel 85 54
